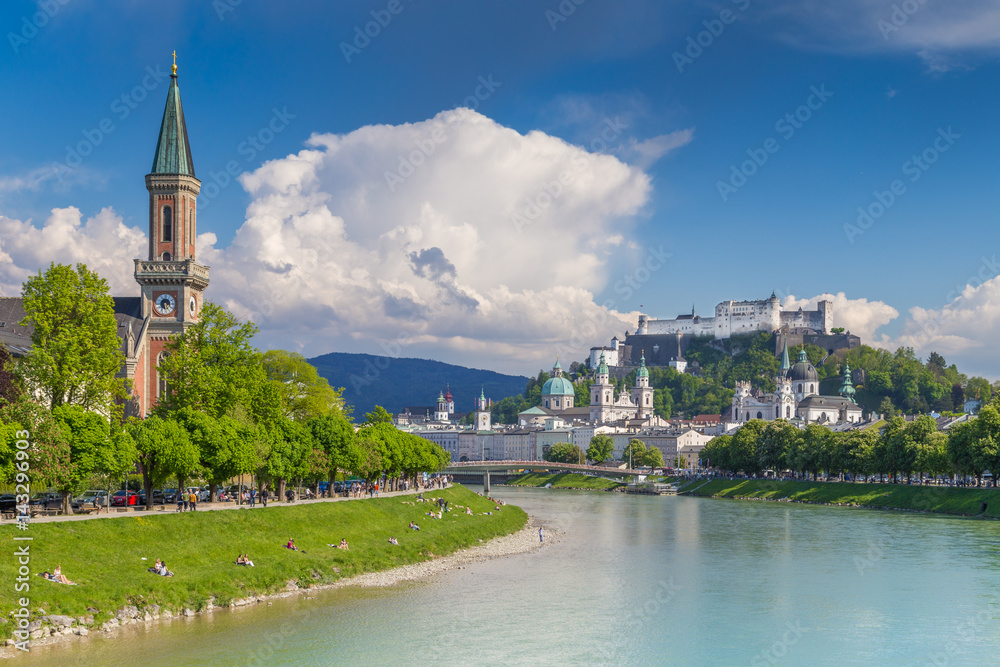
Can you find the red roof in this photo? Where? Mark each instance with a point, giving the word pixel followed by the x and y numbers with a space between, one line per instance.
pixel 705 418
pixel 447 394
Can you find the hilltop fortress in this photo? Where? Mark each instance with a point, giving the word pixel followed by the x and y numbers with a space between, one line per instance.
pixel 742 317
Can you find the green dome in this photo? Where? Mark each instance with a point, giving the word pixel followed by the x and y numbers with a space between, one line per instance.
pixel 558 387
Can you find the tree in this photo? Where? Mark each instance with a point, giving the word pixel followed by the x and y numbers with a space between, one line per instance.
pixel 89 439
pixel 49 455
pixel 379 415
pixel 11 387
pixel 334 435
pixel 304 394
pixel 653 458
pixel 164 450
pixel 743 447
pixel 212 367
pixel 774 441
pixel 634 451
pixel 564 452
pixel 601 448
pixel 887 409
pixel 75 351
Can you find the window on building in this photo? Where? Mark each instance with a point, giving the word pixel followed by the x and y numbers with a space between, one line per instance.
pixel 168 224
pixel 788 412
pixel 166 257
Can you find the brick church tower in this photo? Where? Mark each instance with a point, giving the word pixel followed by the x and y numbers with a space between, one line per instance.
pixel 170 279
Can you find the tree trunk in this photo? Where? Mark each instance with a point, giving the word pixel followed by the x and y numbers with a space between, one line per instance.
pixel 281 489
pixel 147 484
pixel 67 505
pixel 213 493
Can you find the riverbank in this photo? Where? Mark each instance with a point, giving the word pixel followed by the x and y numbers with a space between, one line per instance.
pixel 565 480
pixel 962 501
pixel 108 559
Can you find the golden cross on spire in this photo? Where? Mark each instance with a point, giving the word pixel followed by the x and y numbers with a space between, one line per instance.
pixel 173 69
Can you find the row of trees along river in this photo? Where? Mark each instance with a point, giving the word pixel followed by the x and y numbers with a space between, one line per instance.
pixel 895 448
pixel 225 409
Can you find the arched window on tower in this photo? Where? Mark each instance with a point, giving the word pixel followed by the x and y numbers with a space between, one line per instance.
pixel 759 415
pixel 161 382
pixel 166 257
pixel 168 223
pixel 788 412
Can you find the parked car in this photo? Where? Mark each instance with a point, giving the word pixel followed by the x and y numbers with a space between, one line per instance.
pixel 92 498
pixel 169 496
pixel 46 500
pixel 8 502
pixel 124 498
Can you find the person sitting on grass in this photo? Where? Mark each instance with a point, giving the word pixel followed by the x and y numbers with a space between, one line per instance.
pixel 343 545
pixel 291 545
pixel 468 510
pixel 247 561
pixel 239 560
pixel 392 540
pixel 414 526
pixel 160 568
pixel 57 575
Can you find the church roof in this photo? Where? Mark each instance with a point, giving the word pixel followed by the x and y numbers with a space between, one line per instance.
pixel 173 151
pixel 17 338
pixel 602 368
pixel 803 371
pixel 832 402
pixel 643 372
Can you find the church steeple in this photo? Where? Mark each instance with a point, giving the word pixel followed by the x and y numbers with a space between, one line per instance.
pixel 785 364
pixel 173 151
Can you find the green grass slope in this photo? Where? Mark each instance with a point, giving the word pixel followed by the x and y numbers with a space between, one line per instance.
pixel 565 480
pixel 104 556
pixel 943 500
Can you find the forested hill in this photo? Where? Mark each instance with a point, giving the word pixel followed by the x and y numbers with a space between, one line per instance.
pixel 886 382
pixel 395 383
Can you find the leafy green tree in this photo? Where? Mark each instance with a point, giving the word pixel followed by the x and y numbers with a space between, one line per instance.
pixel 11 385
pixel 303 393
pixel 164 450
pixel 213 368
pixel 75 352
pixel 377 416
pixel 773 442
pixel 652 458
pixel 717 453
pixel 89 439
pixel 564 452
pixel 634 451
pixel 743 447
pixel 49 456
pixel 601 448
pixel 333 434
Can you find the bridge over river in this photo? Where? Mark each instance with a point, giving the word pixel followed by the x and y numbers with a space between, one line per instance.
pixel 470 471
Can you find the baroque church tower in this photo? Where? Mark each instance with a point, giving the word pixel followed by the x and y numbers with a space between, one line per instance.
pixel 170 279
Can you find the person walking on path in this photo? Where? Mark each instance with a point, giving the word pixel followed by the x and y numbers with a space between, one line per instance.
pixel 180 502
pixel 263 497
pixel 253 497
pixel 193 500
pixel 182 494
pixel 540 537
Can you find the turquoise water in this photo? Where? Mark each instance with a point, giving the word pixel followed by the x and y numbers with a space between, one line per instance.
pixel 639 580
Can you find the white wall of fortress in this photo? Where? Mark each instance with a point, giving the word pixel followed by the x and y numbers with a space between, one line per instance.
pixel 740 317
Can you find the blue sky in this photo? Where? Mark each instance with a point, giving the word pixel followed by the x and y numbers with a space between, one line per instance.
pixel 665 122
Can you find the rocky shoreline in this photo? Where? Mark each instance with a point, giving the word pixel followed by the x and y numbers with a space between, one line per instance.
pixel 55 629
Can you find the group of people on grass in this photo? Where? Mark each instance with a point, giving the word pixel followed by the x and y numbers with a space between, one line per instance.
pixel 160 568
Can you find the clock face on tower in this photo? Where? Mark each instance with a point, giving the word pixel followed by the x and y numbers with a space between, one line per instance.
pixel 165 304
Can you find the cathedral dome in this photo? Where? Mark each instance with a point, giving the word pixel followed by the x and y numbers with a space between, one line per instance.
pixel 803 371
pixel 558 387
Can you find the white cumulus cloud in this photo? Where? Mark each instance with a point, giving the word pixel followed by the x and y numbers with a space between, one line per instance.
pixel 860 317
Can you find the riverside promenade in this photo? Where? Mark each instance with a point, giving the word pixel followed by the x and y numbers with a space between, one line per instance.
pixel 118 513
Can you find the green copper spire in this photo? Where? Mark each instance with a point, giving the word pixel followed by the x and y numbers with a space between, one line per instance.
pixel 785 365
pixel 173 151
pixel 603 366
pixel 847 388
pixel 643 372
pixel 802 354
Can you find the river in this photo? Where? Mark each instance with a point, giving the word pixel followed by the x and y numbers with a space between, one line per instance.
pixel 636 580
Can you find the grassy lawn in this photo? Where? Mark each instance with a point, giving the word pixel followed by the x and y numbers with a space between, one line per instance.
pixel 105 555
pixel 566 480
pixel 889 496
